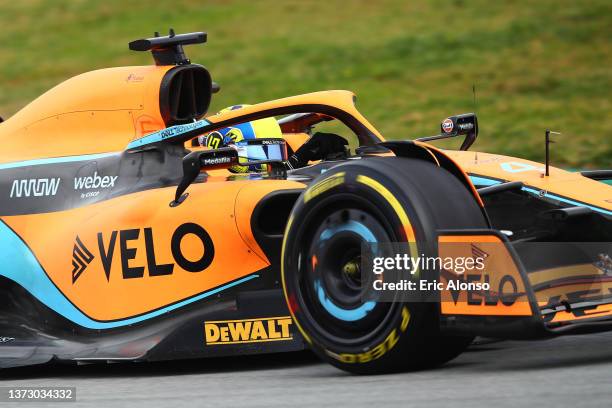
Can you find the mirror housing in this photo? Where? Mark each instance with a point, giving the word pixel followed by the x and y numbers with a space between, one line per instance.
pixel 464 124
pixel 459 125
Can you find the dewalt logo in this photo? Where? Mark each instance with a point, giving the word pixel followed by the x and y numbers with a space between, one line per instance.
pixel 248 330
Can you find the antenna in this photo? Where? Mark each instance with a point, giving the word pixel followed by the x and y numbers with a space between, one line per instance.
pixel 547 142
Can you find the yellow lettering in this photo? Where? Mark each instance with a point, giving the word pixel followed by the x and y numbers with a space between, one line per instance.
pixel 405 318
pixel 248 330
pixel 224 334
pixel 240 330
pixel 365 357
pixel 259 332
pixel 346 358
pixel 212 332
pixel 391 340
pixel 284 324
pixel 379 351
pixel 272 333
pixel 376 352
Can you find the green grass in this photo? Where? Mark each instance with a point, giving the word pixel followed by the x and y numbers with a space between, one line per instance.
pixel 536 64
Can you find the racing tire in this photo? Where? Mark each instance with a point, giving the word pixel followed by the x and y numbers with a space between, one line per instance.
pixel 379 199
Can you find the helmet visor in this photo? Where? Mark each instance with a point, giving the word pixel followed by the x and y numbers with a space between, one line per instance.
pixel 261 150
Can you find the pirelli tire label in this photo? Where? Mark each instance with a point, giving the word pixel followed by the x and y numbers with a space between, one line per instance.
pixel 378 350
pixel 257 330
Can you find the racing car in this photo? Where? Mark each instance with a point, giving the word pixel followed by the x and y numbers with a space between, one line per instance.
pixel 122 239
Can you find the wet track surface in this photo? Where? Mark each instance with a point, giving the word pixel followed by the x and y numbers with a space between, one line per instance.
pixel 567 371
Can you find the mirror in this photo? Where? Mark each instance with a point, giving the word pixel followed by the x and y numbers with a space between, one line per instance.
pixel 261 151
pixel 460 125
pixel 464 124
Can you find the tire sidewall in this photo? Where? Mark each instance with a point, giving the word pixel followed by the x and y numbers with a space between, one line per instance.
pixel 407 326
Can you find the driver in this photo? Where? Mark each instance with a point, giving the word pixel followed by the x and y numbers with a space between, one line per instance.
pixel 318 147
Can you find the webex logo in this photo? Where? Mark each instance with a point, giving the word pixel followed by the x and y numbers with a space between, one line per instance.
pixel 41 187
pixel 94 182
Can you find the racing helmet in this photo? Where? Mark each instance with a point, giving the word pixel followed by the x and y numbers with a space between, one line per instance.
pixel 261 128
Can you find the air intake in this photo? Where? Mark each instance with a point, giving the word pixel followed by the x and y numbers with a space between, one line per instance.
pixel 185 94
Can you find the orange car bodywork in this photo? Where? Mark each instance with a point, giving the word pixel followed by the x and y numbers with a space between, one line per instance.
pixel 83 117
pixel 95 112
pixel 571 185
pixel 51 236
pixel 102 112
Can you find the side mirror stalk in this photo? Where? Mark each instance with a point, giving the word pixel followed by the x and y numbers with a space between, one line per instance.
pixel 195 162
pixel 270 151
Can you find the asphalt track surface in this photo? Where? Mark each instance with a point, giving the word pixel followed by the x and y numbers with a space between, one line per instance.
pixel 567 371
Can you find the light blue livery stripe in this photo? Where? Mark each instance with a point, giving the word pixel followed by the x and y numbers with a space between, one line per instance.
pixel 55 160
pixel 18 264
pixel 483 181
pixel 168 133
pixel 566 200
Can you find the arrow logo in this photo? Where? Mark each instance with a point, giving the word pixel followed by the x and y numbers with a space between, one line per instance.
pixel 81 257
pixel 478 253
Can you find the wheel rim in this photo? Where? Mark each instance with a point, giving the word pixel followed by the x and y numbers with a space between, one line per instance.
pixel 331 286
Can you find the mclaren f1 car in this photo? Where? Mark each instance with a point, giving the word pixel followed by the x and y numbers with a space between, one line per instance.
pixel 121 239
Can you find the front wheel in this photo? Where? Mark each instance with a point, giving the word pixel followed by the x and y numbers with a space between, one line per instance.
pixel 374 200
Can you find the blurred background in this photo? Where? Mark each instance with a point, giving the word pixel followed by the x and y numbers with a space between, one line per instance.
pixel 535 64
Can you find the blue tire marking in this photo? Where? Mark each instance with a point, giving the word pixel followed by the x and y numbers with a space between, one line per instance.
pixel 348 315
pixel 352 226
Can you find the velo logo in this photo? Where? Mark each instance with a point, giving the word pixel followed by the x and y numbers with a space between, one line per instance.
pixel 121 246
